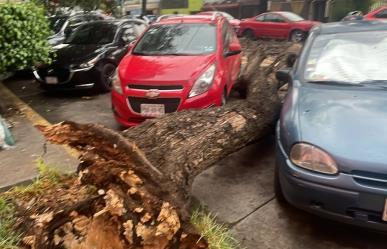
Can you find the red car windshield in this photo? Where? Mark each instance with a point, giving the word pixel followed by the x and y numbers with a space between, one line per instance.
pixel 178 39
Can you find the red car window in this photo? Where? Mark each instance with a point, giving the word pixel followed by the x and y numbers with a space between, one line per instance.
pixel 260 18
pixel 274 18
pixel 381 14
pixel 226 36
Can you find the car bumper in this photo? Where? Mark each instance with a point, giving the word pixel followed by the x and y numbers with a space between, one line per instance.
pixel 335 197
pixel 128 115
pixel 67 79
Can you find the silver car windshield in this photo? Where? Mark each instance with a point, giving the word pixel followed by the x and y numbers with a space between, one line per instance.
pixel 348 58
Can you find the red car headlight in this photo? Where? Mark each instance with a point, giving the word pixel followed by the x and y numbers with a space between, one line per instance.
pixel 310 157
pixel 116 82
pixel 204 82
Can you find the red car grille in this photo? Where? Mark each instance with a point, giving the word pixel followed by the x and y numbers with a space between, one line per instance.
pixel 171 104
pixel 160 87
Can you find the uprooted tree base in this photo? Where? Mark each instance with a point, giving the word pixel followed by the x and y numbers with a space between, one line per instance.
pixel 133 188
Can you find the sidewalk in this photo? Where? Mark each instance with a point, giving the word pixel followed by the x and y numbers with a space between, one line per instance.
pixel 18 165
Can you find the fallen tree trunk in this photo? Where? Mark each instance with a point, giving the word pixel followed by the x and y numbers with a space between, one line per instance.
pixel 144 175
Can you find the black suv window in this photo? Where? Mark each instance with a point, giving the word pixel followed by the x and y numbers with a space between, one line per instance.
pixel 57 22
pixel 128 33
pixel 91 18
pixel 93 33
pixel 75 21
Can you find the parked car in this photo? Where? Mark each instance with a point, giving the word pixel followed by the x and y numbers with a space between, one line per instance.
pixel 232 20
pixel 148 19
pixel 331 136
pixel 186 62
pixel 89 56
pixel 63 25
pixel 377 14
pixel 353 15
pixel 276 25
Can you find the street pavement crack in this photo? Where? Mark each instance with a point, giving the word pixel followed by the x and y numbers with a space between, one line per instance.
pixel 231 225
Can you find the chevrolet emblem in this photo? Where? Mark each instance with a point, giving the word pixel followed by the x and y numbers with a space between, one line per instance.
pixel 152 94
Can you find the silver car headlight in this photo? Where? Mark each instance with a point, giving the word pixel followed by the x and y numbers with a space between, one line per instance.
pixel 204 82
pixel 310 157
pixel 116 82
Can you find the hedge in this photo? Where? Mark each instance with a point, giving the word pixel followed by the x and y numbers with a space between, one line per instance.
pixel 24 30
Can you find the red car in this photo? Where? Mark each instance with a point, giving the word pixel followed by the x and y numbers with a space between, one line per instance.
pixel 186 62
pixel 276 25
pixel 232 20
pixel 377 14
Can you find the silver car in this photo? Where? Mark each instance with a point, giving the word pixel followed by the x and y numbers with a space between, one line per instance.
pixel 332 132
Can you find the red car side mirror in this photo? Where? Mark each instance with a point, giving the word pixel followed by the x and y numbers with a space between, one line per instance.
pixel 234 49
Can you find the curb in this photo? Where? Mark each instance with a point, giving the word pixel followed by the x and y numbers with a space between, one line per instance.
pixel 26 182
pixel 34 117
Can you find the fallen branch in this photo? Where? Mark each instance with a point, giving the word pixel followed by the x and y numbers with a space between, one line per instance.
pixel 143 176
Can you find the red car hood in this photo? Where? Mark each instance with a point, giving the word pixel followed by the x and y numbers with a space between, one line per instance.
pixel 137 68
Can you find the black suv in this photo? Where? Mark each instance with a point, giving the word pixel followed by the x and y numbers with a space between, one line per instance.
pixel 63 25
pixel 90 55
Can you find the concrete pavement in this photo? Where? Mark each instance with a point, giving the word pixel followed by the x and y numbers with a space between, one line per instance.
pixel 18 164
pixel 238 189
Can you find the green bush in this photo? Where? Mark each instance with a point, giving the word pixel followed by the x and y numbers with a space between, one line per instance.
pixel 343 7
pixel 24 30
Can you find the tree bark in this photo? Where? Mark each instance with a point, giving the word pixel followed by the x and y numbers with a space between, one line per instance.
pixel 145 173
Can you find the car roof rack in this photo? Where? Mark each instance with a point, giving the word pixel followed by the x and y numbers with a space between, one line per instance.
pixel 168 16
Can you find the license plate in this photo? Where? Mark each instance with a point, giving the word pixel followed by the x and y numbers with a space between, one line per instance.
pixel 385 211
pixel 51 80
pixel 152 110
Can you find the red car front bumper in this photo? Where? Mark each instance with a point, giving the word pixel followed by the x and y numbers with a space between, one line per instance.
pixel 126 106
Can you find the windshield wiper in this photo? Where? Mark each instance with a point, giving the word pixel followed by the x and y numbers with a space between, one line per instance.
pixel 142 53
pixel 374 82
pixel 335 82
pixel 162 54
pixel 381 84
pixel 178 54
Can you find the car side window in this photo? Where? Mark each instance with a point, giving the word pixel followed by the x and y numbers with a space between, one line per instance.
pixel 232 34
pixel 91 18
pixel 74 23
pixel 382 14
pixel 226 36
pixel 274 18
pixel 260 18
pixel 128 33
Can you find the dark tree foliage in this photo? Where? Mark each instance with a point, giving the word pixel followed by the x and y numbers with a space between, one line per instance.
pixel 109 6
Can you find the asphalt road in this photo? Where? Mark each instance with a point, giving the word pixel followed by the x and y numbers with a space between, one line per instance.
pixel 239 189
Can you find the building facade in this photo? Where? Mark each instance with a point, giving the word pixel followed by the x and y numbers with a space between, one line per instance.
pixel 319 10
pixel 180 6
pixel 237 8
pixel 133 7
pixel 324 10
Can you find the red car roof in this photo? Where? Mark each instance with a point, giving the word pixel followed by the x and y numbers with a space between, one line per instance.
pixel 189 19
